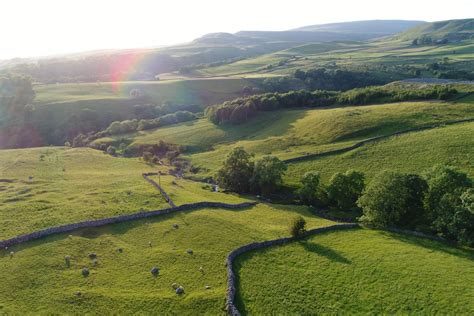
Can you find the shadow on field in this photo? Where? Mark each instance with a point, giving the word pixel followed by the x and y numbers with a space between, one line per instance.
pixel 325 252
pixel 432 245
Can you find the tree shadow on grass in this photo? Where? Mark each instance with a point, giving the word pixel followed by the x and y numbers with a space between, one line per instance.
pixel 325 252
pixel 433 245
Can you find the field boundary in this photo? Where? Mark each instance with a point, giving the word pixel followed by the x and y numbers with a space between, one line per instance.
pixel 231 288
pixel 156 185
pixel 374 139
pixel 118 219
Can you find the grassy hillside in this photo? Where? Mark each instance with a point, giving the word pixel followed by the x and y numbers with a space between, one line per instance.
pixel 441 29
pixel 36 279
pixel 413 152
pixel 71 185
pixel 201 92
pixel 293 133
pixel 357 272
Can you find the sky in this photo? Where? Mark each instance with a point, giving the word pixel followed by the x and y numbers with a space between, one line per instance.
pixel 30 28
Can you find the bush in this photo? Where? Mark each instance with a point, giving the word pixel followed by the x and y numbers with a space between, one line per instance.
pixel 298 227
pixel 344 189
pixel 111 150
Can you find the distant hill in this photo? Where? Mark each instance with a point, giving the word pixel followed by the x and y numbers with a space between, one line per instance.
pixel 372 27
pixel 450 30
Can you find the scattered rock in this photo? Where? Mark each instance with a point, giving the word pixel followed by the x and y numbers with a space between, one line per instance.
pixel 190 251
pixel 120 250
pixel 201 269
pixel 67 259
pixel 174 286
pixel 175 226
pixel 149 243
pixel 70 236
pixel 11 254
pixel 95 262
pixel 92 255
pixel 180 290
pixel 155 271
pixel 85 272
pixel 78 294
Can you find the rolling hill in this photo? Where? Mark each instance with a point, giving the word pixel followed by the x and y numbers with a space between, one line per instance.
pixel 453 30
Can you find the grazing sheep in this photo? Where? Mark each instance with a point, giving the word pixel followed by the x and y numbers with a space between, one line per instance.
pixel 92 255
pixel 180 290
pixel 190 251
pixel 67 259
pixel 120 250
pixel 175 226
pixel 85 272
pixel 155 271
pixel 174 286
pixel 11 254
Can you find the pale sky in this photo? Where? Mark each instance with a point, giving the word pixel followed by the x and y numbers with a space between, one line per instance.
pixel 45 27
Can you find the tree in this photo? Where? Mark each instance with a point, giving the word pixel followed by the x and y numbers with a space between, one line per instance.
pixel 310 186
pixel 449 203
pixel 236 171
pixel 390 198
pixel 344 189
pixel 298 227
pixel 443 180
pixel 267 175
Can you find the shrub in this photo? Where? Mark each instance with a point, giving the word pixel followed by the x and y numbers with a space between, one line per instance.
pixel 298 227
pixel 344 189
pixel 111 150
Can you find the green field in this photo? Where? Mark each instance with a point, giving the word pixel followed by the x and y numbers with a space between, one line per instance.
pixel 293 133
pixel 36 280
pixel 200 92
pixel 357 272
pixel 414 152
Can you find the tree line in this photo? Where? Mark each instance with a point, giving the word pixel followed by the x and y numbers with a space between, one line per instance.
pixel 242 109
pixel 439 201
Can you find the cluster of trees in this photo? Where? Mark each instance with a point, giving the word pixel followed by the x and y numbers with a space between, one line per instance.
pixel 130 126
pixel 341 80
pixel 240 173
pixel 440 201
pixel 240 110
pixel 456 74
